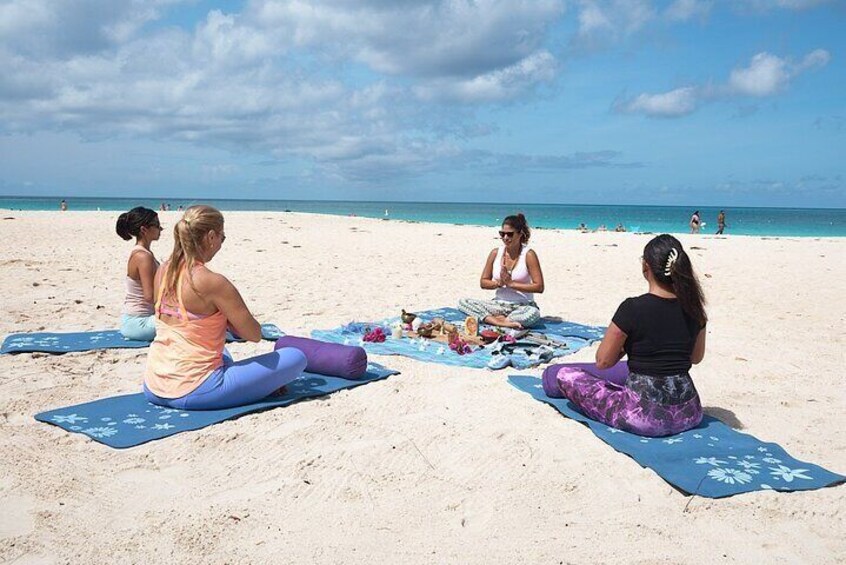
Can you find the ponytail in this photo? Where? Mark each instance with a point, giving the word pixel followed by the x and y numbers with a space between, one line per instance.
pixel 188 235
pixel 670 264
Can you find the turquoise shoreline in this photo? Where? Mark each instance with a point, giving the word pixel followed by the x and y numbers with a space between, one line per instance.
pixel 784 222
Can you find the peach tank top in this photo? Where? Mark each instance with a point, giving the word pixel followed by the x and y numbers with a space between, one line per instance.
pixel 184 352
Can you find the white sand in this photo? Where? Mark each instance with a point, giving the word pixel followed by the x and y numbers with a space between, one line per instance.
pixel 438 464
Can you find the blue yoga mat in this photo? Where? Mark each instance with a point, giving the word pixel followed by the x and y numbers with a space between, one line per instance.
pixel 711 460
pixel 573 336
pixel 129 420
pixel 88 341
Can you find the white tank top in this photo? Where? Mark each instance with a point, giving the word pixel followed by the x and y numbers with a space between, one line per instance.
pixel 134 303
pixel 520 274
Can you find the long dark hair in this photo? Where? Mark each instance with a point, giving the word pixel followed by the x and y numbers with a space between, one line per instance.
pixel 129 224
pixel 676 273
pixel 519 223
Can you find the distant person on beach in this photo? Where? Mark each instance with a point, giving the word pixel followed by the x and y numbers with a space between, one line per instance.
pixel 187 366
pixel 137 321
pixel 583 228
pixel 180 208
pixel 663 334
pixel 695 222
pixel 721 222
pixel 162 207
pixel 601 228
pixel 620 228
pixel 514 272
pixel 63 206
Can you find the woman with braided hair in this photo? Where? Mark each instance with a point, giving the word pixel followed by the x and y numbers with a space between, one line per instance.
pixel 663 334
pixel 187 367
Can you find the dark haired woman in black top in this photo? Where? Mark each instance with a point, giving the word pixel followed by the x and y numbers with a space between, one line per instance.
pixel 663 334
pixel 143 224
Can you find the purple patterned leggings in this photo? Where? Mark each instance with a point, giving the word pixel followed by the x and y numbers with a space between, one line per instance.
pixel 640 404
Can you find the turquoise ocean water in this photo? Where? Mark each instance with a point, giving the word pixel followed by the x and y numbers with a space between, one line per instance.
pixel 803 222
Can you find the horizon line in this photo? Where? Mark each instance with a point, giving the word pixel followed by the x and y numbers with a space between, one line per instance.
pixel 685 206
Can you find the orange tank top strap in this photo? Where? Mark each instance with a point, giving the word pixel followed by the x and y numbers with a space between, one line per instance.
pixel 180 303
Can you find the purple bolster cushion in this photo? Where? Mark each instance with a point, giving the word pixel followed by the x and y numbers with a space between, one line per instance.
pixel 332 359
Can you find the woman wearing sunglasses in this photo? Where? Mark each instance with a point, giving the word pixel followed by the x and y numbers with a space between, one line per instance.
pixel 143 224
pixel 513 271
pixel 187 367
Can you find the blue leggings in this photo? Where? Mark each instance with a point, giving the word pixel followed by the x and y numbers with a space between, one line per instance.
pixel 239 383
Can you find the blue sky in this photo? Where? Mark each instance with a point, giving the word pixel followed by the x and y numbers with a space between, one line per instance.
pixel 683 102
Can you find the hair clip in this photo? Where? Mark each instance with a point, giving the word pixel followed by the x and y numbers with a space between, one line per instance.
pixel 671 262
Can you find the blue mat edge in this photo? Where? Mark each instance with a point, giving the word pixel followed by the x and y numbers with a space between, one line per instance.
pixel 593 426
pixel 250 409
pixel 270 332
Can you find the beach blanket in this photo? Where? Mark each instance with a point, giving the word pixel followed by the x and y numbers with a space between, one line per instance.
pixel 569 336
pixel 712 460
pixel 129 420
pixel 87 341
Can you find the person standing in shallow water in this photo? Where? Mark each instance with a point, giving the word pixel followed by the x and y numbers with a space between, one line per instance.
pixel 663 334
pixel 695 222
pixel 721 222
pixel 514 271
pixel 63 206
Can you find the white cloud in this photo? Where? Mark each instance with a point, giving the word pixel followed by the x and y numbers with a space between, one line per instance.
pixel 672 104
pixel 279 77
pixel 502 84
pixel 70 27
pixel 684 10
pixel 602 23
pixel 605 21
pixel 427 38
pixel 372 87
pixel 814 59
pixel 592 19
pixel 766 75
pixel 767 5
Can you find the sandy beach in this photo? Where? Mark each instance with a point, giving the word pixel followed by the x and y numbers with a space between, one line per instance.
pixel 438 464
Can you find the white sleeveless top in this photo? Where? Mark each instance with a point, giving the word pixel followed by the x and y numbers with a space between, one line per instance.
pixel 134 303
pixel 520 274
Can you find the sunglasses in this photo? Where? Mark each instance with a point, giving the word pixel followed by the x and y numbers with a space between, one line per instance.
pixel 507 233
